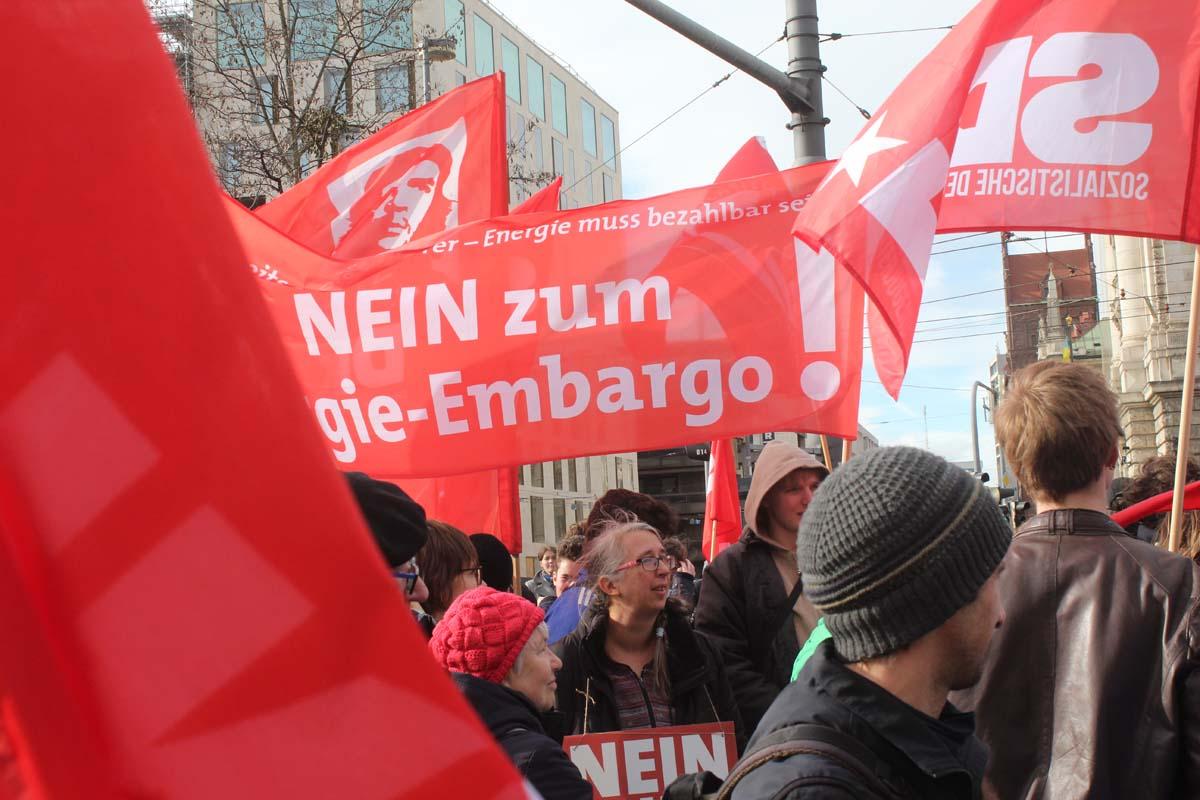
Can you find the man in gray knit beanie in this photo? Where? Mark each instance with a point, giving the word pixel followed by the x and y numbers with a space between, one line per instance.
pixel 899 551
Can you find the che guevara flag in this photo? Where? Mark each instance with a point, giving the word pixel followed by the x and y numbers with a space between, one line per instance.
pixel 1030 114
pixel 432 169
pixel 439 165
pixel 190 605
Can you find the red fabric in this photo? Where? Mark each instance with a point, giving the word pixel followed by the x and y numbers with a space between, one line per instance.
pixel 1030 114
pixel 436 167
pixel 545 199
pixel 483 632
pixel 531 373
pixel 485 501
pixel 722 507
pixel 752 158
pixel 190 606
pixel 1158 504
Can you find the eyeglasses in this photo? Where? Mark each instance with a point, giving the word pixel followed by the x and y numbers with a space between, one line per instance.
pixel 478 573
pixel 649 563
pixel 407 579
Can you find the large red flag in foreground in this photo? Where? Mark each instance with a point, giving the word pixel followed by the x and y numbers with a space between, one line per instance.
pixel 465 127
pixel 432 169
pixel 1030 114
pixel 189 605
pixel 608 328
pixel 1158 504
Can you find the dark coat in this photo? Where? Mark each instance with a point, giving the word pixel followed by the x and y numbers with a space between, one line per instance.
pixel 517 727
pixel 539 587
pixel 700 688
pixel 743 609
pixel 924 758
pixel 1091 687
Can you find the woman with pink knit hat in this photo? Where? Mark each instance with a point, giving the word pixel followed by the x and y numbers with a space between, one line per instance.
pixel 494 646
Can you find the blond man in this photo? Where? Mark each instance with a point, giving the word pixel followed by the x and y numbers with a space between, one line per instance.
pixel 1090 689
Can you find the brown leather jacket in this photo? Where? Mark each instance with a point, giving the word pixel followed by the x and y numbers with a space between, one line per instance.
pixel 1091 687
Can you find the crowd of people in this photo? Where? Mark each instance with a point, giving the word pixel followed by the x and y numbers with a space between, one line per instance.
pixel 877 632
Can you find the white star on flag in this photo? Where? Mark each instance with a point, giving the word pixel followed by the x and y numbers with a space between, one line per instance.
pixel 854 160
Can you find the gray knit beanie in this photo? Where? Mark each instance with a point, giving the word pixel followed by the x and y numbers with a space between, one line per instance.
pixel 893 544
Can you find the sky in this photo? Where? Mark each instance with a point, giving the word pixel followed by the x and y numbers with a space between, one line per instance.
pixel 646 71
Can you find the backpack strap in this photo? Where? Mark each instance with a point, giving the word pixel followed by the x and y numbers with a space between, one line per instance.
pixel 816 740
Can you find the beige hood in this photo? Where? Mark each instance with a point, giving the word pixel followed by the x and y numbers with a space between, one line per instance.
pixel 775 461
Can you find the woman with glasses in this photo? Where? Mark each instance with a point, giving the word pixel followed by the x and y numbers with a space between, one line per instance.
pixel 449 566
pixel 634 661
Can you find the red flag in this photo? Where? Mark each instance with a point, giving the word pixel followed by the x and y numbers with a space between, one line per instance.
pixel 1030 114
pixel 465 127
pixel 190 605
pixel 434 168
pixel 545 199
pixel 752 158
pixel 1158 504
pixel 722 508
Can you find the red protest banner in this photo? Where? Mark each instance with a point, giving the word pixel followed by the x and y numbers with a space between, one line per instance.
pixel 640 764
pixel 1062 115
pixel 190 604
pixel 627 326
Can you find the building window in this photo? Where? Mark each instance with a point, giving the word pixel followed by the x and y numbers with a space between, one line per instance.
pixel 336 88
pixel 587 113
pixel 387 26
pixel 516 132
pixel 608 142
pixel 588 193
pixel 456 26
pixel 560 517
pixel 536 475
pixel 240 36
pixel 315 29
pixel 537 519
pixel 610 192
pixel 393 90
pixel 558 105
pixel 485 55
pixel 569 183
pixel 539 150
pixel 521 473
pixel 266 93
pixel 459 79
pixel 573 476
pixel 229 164
pixel 537 89
pixel 558 475
pixel 510 62
pixel 556 156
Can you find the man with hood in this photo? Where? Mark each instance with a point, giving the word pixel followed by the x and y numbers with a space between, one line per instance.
pixel 751 604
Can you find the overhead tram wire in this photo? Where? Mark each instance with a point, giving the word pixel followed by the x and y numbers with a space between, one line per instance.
pixel 670 116
pixel 833 37
pixel 866 114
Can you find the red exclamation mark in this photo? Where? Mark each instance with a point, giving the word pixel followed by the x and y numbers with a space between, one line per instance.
pixel 818 318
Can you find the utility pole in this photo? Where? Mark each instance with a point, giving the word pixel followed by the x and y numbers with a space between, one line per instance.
pixel 799 88
pixel 804 65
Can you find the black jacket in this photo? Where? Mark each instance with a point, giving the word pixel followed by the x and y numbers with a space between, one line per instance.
pixel 743 609
pixel 700 689
pixel 922 757
pixel 517 727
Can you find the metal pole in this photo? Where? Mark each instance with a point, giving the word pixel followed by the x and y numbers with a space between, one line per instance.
pixel 425 66
pixel 804 66
pixel 1185 413
pixel 974 424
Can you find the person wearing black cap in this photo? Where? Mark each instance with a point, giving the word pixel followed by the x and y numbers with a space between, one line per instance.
pixel 900 552
pixel 495 562
pixel 397 522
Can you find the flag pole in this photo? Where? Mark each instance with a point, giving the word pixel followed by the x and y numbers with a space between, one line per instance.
pixel 712 548
pixel 825 450
pixel 1185 412
pixel 847 446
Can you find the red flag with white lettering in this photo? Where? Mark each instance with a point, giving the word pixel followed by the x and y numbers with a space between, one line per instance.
pixel 545 199
pixel 439 166
pixel 1030 114
pixel 190 604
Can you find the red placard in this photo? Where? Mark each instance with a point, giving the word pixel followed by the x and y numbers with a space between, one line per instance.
pixel 640 764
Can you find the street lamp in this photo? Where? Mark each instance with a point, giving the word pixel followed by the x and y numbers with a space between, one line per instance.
pixel 436 49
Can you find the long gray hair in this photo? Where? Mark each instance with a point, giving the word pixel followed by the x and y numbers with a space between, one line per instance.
pixel 604 555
